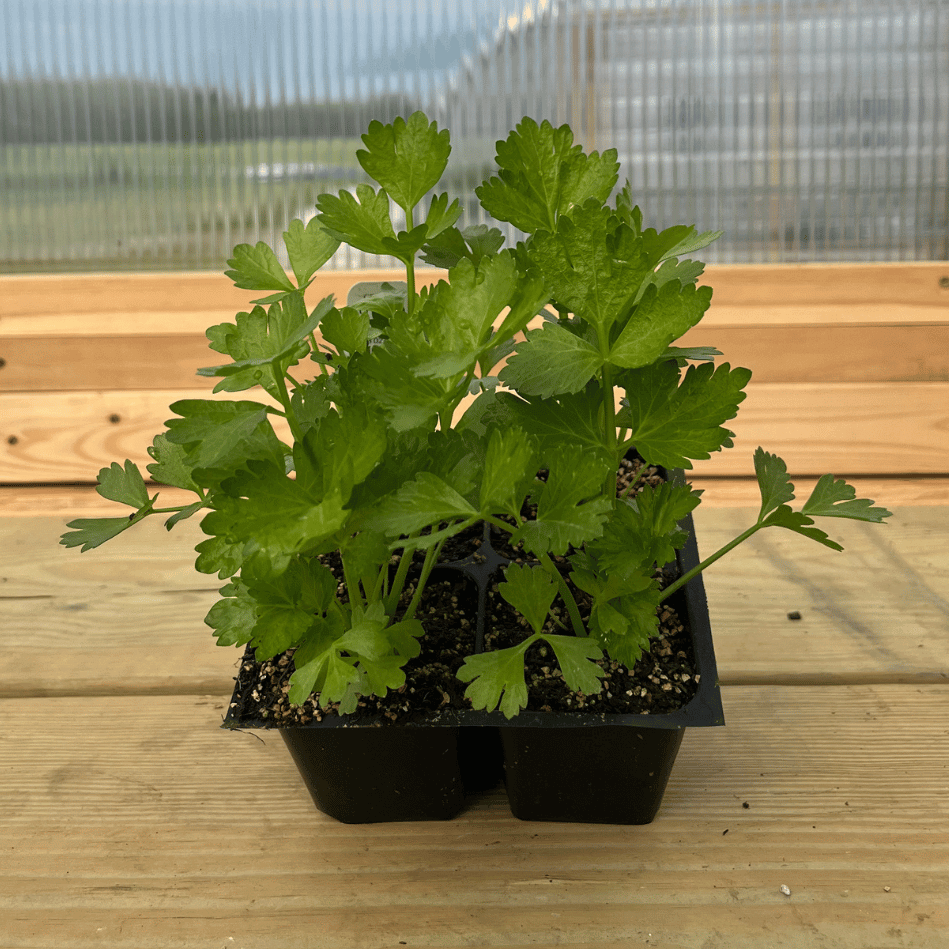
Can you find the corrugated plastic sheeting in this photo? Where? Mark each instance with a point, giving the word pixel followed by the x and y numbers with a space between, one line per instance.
pixel 143 135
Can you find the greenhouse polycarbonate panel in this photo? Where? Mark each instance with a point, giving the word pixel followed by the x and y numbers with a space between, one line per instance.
pixel 157 134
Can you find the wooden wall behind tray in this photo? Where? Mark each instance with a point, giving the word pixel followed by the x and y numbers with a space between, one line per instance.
pixel 850 362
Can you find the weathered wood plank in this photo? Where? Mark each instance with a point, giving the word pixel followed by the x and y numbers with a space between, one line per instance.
pixel 847 352
pixel 129 616
pixel 69 436
pixel 875 353
pixel 878 609
pixel 846 428
pixel 55 304
pixel 70 363
pixel 81 500
pixel 142 824
pixel 148 303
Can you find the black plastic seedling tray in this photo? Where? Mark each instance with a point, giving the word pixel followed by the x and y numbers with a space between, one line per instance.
pixel 592 767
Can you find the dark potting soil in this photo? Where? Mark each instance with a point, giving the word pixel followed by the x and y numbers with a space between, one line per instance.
pixel 663 680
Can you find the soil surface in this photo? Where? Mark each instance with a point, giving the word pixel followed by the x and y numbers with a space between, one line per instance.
pixel 663 680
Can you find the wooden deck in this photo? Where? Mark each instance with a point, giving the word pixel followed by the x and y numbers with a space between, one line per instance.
pixel 128 818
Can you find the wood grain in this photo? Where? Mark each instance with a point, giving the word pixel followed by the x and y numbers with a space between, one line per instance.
pixel 70 436
pixel 53 302
pixel 129 819
pixel 128 617
pixel 133 303
pixel 142 824
pixel 846 429
pixel 81 500
pixel 807 353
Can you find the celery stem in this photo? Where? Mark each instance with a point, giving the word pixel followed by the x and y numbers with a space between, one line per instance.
pixel 695 571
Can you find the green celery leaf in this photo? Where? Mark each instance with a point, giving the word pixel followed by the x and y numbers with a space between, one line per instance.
pixel 404 637
pixel 445 250
pixel 233 617
pixel 458 317
pixel 573 417
pixel 221 435
pixel 378 297
pixel 577 656
pixel 216 555
pixel 587 177
pixel 458 459
pixel 280 515
pixel 387 379
pixel 692 242
pixel 257 268
pixel 404 456
pixel 542 175
pixel 374 660
pixel 366 637
pixel 312 402
pixel 643 534
pixel 475 242
pixel 684 272
pixel 308 248
pixel 657 246
pixel 260 338
pixel 287 602
pixel 509 465
pixel 551 361
pixel 627 212
pixel 420 503
pixel 362 221
pixel 365 554
pixel 347 445
pixel 125 485
pixel 800 523
pixel 441 215
pixel 624 625
pixel 496 674
pixel 835 498
pixel 322 668
pixel 579 265
pixel 531 591
pixel 570 510
pixel 659 318
pixel 184 514
pixel 773 481
pixel 683 355
pixel 169 466
pixel 670 423
pixel 94 531
pixel 382 675
pixel 346 329
pixel 659 509
pixel 406 244
pixel 407 157
pixel 484 241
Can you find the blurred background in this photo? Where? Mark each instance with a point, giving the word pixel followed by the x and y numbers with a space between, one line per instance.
pixel 142 135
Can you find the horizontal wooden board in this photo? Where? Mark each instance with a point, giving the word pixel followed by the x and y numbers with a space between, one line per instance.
pixel 846 429
pixel 60 304
pixel 148 303
pixel 69 436
pixel 81 500
pixel 850 352
pixel 77 363
pixel 142 824
pixel 129 616
pixel 829 352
